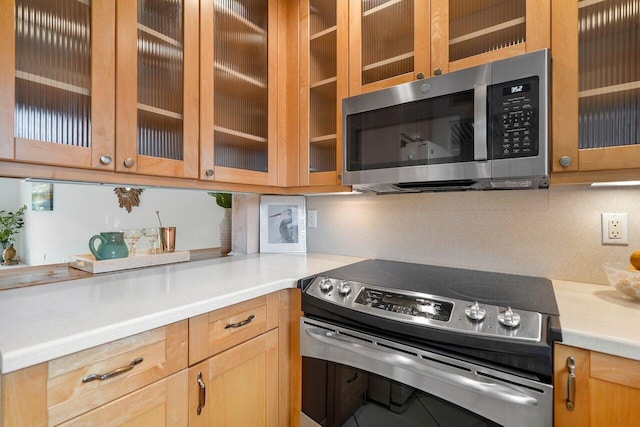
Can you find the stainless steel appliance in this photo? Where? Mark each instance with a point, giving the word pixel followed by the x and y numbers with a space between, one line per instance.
pixel 391 343
pixel 479 128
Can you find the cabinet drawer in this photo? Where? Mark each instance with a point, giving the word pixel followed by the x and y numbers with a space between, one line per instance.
pixel 222 329
pixel 163 403
pixel 54 392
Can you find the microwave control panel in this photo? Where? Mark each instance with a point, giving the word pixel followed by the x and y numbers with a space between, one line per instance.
pixel 513 125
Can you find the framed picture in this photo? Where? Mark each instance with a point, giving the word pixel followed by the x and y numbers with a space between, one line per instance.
pixel 41 197
pixel 282 224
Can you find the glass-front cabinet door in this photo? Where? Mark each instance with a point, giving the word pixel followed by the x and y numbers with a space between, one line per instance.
pixel 323 83
pixel 467 33
pixel 596 85
pixel 57 63
pixel 157 87
pixel 238 67
pixel 389 42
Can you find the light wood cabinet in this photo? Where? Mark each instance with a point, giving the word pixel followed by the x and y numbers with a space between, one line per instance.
pixel 157 88
pixel 397 41
pixel 245 357
pixel 464 33
pixel 324 72
pixel 57 84
pixel 63 389
pixel 238 91
pixel 238 386
pixel 596 88
pixel 606 388
pixel 240 370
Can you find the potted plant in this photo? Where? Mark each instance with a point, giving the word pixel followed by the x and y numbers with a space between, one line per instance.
pixel 10 225
pixel 224 200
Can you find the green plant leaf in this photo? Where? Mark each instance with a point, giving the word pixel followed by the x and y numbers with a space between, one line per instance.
pixel 222 199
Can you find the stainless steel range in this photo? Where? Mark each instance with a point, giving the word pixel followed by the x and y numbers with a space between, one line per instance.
pixel 391 343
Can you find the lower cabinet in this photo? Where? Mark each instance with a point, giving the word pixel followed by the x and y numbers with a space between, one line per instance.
pixel 163 403
pixel 594 389
pixel 229 367
pixel 238 387
pixel 91 385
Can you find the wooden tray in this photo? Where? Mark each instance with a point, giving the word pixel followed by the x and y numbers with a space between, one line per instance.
pixel 88 263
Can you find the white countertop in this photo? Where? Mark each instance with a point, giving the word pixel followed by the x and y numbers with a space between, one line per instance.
pixel 41 323
pixel 599 318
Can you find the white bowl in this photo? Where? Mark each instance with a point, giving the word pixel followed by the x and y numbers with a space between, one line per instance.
pixel 624 278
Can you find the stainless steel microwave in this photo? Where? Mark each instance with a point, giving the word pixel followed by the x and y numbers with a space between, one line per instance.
pixel 480 128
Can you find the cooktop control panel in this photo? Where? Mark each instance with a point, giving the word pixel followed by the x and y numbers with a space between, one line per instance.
pixel 469 317
pixel 395 302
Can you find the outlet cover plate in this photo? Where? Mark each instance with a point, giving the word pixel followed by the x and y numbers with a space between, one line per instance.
pixel 620 222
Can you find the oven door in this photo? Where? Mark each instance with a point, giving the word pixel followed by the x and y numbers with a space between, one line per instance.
pixel 355 379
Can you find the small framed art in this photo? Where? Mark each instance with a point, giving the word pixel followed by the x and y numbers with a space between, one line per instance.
pixel 41 197
pixel 283 224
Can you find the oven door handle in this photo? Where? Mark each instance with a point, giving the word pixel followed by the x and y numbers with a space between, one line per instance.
pixel 485 386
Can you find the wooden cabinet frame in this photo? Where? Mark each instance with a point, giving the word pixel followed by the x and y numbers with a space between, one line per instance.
pixel 102 96
pixel 127 96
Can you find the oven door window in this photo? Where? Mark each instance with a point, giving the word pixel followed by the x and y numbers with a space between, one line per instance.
pixel 425 132
pixel 340 395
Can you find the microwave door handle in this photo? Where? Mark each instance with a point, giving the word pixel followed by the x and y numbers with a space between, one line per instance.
pixel 480 122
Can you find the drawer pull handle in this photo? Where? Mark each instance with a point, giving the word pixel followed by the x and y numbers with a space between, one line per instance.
pixel 240 324
pixel 202 396
pixel 571 384
pixel 352 379
pixel 113 373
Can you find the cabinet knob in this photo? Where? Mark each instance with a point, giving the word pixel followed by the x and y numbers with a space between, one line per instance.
pixel 105 159
pixel 565 161
pixel 437 71
pixel 129 162
pixel 209 172
pixel 420 75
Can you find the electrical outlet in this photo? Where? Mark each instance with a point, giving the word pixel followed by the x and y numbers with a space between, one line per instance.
pixel 615 229
pixel 312 218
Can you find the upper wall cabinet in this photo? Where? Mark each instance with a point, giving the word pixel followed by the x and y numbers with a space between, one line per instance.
pixel 238 97
pixel 323 84
pixel 596 85
pixel 389 42
pixel 157 87
pixel 396 41
pixel 467 33
pixel 57 63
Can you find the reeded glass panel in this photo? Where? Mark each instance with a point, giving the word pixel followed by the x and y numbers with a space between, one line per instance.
pixel 240 84
pixel 482 26
pixel 53 71
pixel 323 86
pixel 609 81
pixel 160 78
pixel 387 39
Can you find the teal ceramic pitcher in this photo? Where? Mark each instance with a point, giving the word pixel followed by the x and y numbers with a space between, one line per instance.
pixel 111 245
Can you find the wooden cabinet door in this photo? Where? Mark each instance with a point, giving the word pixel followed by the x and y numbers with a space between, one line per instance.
pixel 163 403
pixel 324 50
pixel 238 91
pixel 596 88
pixel 606 389
pixel 465 33
pixel 157 88
pixel 389 42
pixel 57 63
pixel 238 387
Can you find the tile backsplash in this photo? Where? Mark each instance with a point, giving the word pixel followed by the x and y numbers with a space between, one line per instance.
pixel 554 233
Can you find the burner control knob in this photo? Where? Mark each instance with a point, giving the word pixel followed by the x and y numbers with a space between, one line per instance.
pixel 325 285
pixel 475 312
pixel 344 288
pixel 509 318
